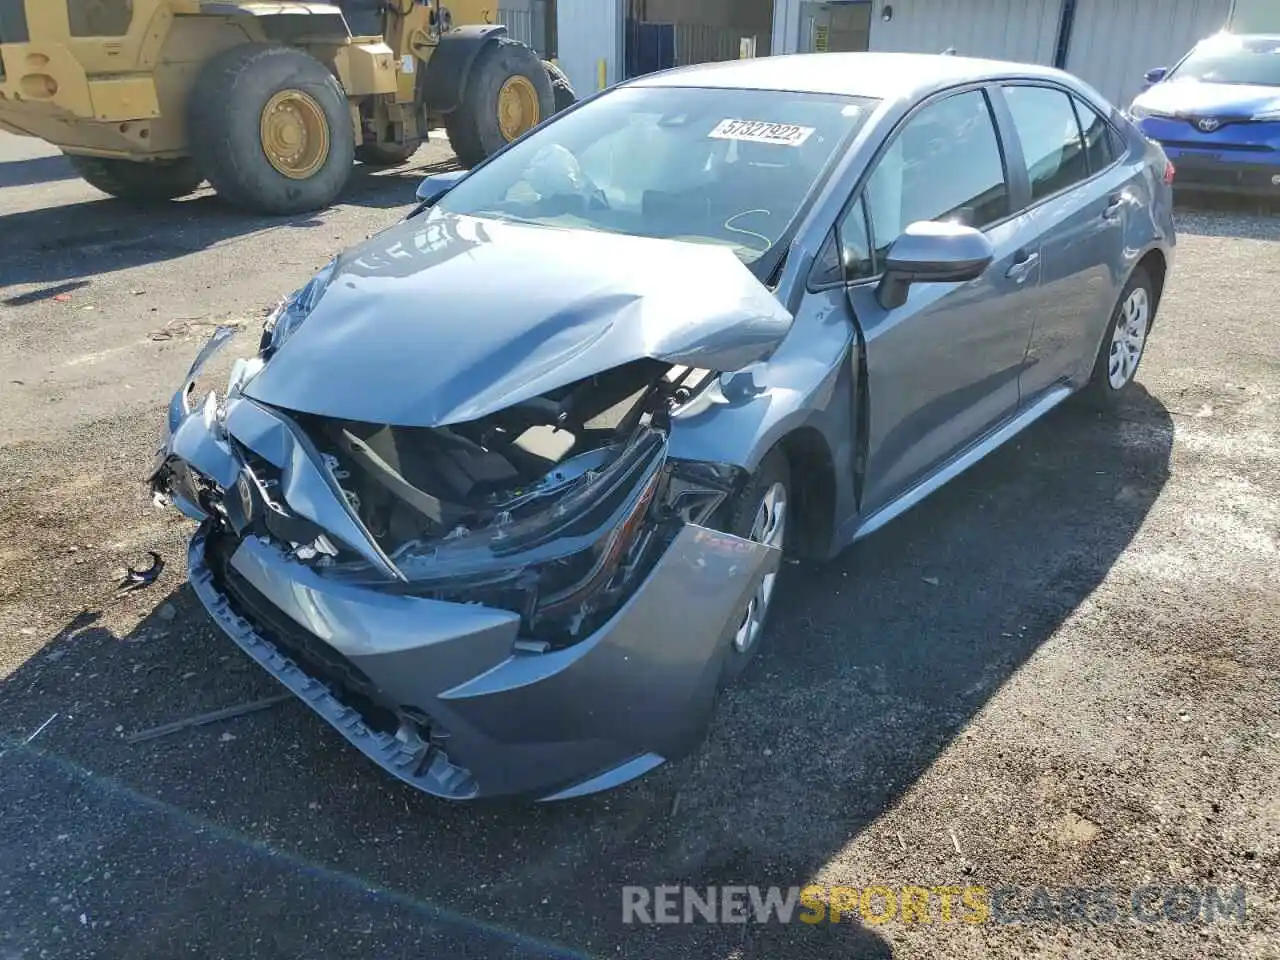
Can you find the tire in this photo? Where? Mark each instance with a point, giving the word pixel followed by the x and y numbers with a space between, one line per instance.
pixel 385 154
pixel 225 117
pixel 474 129
pixel 1102 392
pixel 561 88
pixel 149 181
pixel 772 474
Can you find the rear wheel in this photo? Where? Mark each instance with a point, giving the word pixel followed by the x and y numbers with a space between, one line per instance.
pixel 561 88
pixel 271 127
pixel 385 154
pixel 1124 343
pixel 508 93
pixel 760 513
pixel 152 181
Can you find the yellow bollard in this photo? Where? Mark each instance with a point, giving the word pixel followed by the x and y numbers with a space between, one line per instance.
pixel 602 71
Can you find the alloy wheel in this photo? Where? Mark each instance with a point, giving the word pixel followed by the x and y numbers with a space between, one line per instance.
pixel 1129 338
pixel 769 527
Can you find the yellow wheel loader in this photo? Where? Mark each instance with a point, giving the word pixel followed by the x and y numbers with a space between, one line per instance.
pixel 270 101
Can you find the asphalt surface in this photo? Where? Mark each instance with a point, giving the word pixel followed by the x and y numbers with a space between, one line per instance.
pixel 1060 671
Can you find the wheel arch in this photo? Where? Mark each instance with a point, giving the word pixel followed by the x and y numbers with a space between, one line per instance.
pixel 1156 264
pixel 445 77
pixel 813 483
pixel 291 24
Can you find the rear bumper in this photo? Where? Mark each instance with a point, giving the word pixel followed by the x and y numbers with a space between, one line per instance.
pixel 498 721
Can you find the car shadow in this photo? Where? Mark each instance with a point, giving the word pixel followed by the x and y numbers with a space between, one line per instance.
pixel 1224 215
pixel 33 170
pixel 875 664
pixel 69 243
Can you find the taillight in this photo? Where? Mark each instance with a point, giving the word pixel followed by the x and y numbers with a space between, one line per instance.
pixel 1170 171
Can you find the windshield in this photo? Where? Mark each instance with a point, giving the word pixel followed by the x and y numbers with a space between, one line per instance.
pixel 730 167
pixel 1253 61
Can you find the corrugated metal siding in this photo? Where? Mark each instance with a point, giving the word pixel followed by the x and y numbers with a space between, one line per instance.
pixel 517 17
pixel 1114 42
pixel 1021 30
pixel 701 43
pixel 588 31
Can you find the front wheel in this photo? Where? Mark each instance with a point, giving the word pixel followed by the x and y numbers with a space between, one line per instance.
pixel 759 513
pixel 1124 343
pixel 152 181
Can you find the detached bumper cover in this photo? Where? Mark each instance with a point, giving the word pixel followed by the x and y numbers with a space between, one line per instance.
pixel 552 725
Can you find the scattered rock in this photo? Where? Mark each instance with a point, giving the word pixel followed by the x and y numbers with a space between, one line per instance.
pixel 166 611
pixel 227 737
pixel 1074 830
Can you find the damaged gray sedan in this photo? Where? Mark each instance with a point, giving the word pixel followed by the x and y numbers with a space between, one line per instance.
pixel 504 492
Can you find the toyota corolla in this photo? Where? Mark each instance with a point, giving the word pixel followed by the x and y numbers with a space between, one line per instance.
pixel 503 494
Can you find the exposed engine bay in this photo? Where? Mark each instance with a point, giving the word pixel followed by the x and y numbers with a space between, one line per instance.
pixel 552 508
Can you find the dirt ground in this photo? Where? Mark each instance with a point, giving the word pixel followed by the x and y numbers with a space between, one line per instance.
pixel 1061 671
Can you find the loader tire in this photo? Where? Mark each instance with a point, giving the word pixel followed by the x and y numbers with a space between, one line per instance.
pixel 385 154
pixel 271 129
pixel 561 88
pixel 508 93
pixel 153 181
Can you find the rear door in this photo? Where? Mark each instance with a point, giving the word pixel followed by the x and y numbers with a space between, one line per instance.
pixel 942 369
pixel 1080 199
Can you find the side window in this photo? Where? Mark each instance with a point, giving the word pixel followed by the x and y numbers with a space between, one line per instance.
pixel 99 18
pixel 846 255
pixel 855 244
pixel 1100 141
pixel 944 164
pixel 1050 136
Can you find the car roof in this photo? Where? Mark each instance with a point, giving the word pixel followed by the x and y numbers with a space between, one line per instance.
pixel 880 75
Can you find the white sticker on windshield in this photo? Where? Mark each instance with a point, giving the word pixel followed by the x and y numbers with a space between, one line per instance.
pixel 762 131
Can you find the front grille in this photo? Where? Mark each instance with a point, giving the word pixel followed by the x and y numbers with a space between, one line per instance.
pixel 13 22
pixel 350 684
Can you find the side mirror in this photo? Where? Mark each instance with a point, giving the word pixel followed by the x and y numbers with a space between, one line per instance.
pixel 932 252
pixel 431 189
pixel 1156 74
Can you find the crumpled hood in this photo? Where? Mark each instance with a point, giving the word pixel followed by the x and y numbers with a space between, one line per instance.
pixel 1198 99
pixel 445 319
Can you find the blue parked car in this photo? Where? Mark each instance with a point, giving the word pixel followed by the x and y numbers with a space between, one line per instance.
pixel 1217 114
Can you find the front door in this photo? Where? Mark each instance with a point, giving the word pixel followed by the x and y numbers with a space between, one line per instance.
pixel 942 369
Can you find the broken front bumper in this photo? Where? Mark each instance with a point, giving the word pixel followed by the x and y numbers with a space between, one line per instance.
pixel 501 720
pixel 447 696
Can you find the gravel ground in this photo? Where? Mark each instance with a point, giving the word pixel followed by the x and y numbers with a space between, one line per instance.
pixel 1061 671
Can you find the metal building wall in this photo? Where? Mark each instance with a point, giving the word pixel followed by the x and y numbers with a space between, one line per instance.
pixel 1114 42
pixel 786 26
pixel 1021 30
pixel 588 31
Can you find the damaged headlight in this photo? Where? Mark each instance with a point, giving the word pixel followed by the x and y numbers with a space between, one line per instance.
pixel 287 317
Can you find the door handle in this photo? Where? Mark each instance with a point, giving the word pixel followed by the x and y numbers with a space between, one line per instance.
pixel 1021 269
pixel 1114 206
